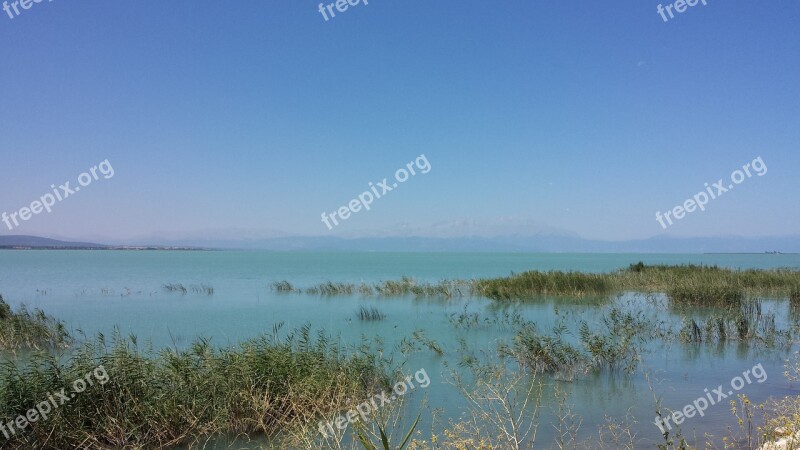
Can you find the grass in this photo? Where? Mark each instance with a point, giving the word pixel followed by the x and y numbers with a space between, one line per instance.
pixel 26 330
pixel 183 290
pixel 705 295
pixel 744 322
pixel 683 284
pixel 203 289
pixel 283 286
pixel 534 283
pixel 175 287
pixel 615 346
pixel 330 289
pixel 546 354
pixel 181 398
pixel 390 288
pixel 370 314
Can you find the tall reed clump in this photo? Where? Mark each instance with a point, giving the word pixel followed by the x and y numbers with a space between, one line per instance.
pixel 181 398
pixel 794 296
pixel 23 329
pixel 533 283
pixel 619 343
pixel 545 354
pixel 370 314
pixel 745 322
pixel 616 346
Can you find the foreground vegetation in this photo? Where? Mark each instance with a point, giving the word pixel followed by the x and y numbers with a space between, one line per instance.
pixel 169 398
pixel 25 330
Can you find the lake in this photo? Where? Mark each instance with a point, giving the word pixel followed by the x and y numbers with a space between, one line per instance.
pixel 103 291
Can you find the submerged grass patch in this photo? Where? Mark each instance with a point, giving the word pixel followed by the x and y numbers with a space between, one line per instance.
pixel 390 288
pixel 23 329
pixel 183 290
pixel 171 398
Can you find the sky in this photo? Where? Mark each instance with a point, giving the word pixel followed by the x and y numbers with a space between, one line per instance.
pixel 243 115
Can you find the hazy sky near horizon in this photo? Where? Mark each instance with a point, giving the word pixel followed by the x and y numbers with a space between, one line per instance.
pixel 588 117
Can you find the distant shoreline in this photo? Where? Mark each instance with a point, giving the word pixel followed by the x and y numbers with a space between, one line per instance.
pixel 123 248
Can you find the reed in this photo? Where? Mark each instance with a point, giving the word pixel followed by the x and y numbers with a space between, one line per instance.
pixel 177 398
pixel 684 284
pixel 175 287
pixel 202 289
pixel 283 286
pixel 390 288
pixel 25 330
pixel 530 284
pixel 370 314
pixel 746 322
pixel 330 288
pixel 545 354
pixel 706 295
pixel 619 342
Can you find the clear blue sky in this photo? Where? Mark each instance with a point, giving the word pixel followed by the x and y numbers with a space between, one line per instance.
pixel 586 116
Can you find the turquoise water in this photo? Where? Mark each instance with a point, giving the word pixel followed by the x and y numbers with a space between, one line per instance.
pixel 100 291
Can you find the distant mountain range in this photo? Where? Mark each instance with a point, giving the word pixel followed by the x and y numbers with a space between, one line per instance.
pixel 538 243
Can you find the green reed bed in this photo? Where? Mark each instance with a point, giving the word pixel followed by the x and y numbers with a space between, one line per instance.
pixel 23 329
pixel 683 284
pixel 168 398
pixel 663 278
pixel 705 295
pixel 535 283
